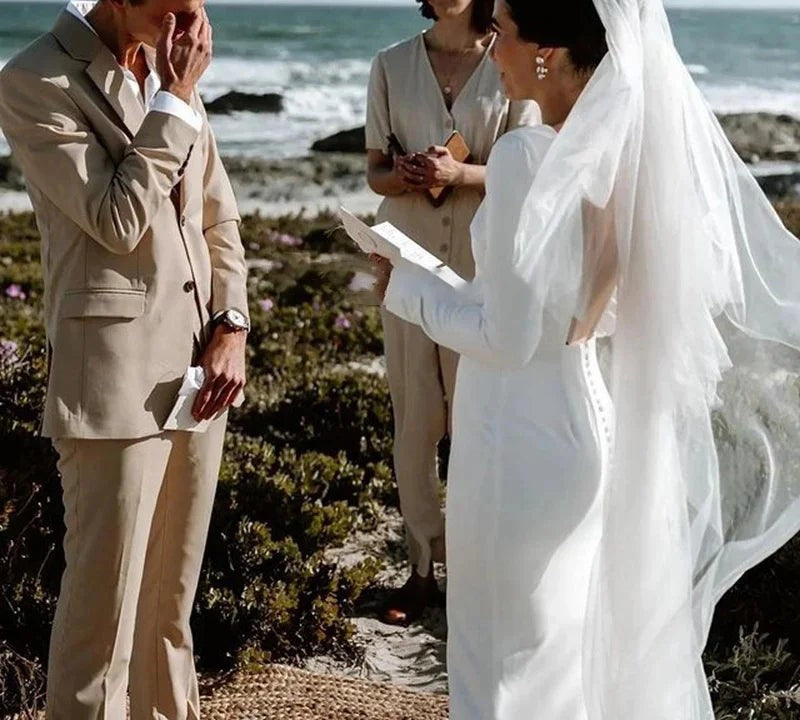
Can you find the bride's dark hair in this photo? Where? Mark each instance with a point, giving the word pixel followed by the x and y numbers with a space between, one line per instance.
pixel 571 24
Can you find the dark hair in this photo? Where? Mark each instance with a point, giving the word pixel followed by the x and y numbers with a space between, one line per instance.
pixel 481 14
pixel 571 24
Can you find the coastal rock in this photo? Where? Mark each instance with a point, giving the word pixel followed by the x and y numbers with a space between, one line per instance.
pixel 761 136
pixel 237 101
pixel 10 174
pixel 782 186
pixel 756 136
pixel 297 179
pixel 347 141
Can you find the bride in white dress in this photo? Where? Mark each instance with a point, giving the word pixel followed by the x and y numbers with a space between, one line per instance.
pixel 589 540
pixel 531 435
pixel 530 444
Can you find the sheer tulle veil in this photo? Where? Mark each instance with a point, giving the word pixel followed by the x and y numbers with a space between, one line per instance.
pixel 705 478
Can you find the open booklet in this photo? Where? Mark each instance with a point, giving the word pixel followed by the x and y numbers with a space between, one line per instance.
pixel 389 242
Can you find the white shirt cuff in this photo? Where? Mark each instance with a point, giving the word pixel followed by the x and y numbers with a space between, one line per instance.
pixel 168 103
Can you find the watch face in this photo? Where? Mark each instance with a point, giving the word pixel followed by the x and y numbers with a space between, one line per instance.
pixel 236 319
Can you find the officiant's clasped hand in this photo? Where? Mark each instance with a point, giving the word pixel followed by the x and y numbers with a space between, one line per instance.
pixel 434 168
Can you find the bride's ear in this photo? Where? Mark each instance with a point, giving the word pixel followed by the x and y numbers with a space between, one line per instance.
pixel 544 61
pixel 548 53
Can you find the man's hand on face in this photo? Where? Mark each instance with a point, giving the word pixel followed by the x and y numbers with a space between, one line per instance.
pixel 184 54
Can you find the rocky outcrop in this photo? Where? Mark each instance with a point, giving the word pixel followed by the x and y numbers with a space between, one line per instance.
pixel 297 179
pixel 237 101
pixel 785 186
pixel 10 175
pixel 756 137
pixel 347 141
pixel 761 136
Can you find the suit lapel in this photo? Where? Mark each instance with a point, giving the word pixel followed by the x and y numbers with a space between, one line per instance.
pixel 109 78
pixel 104 71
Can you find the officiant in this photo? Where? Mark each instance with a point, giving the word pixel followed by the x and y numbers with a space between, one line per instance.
pixel 421 91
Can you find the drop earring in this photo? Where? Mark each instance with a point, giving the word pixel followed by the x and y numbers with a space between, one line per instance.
pixel 541 68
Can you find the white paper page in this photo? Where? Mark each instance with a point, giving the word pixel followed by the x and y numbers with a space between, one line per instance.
pixel 409 250
pixel 388 241
pixel 180 417
pixel 368 241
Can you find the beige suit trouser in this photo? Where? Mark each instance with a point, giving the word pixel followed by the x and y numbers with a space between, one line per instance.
pixel 422 378
pixel 137 514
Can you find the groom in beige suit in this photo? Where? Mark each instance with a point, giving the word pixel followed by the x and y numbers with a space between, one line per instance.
pixel 144 276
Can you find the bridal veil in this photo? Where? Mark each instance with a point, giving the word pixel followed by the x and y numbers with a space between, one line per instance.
pixel 705 478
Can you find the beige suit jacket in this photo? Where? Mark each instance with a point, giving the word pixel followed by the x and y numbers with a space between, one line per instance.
pixel 139 227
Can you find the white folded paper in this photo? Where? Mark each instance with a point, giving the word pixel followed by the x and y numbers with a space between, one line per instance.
pixel 180 417
pixel 389 242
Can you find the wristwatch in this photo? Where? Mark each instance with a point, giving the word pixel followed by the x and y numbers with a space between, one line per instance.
pixel 233 319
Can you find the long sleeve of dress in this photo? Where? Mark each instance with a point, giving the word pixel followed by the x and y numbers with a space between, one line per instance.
pixel 496 319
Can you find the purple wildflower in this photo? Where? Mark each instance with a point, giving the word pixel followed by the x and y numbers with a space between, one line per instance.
pixel 288 240
pixel 342 322
pixel 266 304
pixel 15 292
pixel 8 351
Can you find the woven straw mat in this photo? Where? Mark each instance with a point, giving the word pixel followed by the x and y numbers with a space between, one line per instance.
pixel 283 693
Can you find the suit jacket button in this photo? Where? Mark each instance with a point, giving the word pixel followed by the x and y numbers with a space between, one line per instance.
pixel 188 286
pixel 183 221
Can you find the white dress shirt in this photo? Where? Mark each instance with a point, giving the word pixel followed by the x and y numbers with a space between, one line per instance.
pixel 155 99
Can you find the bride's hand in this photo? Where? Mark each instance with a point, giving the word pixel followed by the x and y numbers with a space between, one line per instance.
pixel 383 273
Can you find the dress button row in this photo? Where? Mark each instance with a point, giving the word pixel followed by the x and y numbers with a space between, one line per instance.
pixel 601 413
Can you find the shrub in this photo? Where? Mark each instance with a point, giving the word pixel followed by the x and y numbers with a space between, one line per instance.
pixel 757 680
pixel 288 340
pixel 306 464
pixel 269 590
pixel 31 528
pixel 330 411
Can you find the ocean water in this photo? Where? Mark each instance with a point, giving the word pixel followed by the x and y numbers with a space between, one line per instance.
pixel 318 58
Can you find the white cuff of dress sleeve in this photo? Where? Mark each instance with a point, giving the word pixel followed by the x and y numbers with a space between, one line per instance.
pixel 171 104
pixel 402 292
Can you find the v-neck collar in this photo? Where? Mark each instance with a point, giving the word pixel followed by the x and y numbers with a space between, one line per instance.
pixel 432 73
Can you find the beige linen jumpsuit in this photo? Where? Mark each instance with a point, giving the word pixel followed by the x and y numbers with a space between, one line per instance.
pixel 405 98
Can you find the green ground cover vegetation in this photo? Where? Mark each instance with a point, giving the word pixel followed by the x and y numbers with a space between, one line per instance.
pixel 307 464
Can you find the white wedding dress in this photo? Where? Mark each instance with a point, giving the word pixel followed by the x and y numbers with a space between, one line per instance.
pixel 531 435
